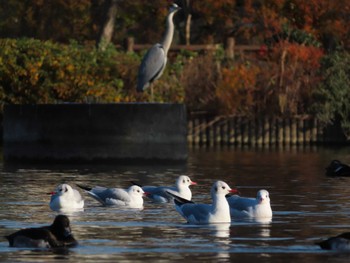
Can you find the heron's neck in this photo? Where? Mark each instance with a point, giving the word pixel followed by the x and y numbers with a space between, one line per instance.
pixel 169 33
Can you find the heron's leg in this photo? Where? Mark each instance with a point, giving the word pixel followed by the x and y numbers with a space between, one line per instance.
pixel 152 95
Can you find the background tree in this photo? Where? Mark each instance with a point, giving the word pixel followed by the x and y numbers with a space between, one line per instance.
pixel 279 79
pixel 332 98
pixel 107 25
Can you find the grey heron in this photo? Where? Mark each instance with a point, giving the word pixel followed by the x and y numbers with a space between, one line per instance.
pixel 153 63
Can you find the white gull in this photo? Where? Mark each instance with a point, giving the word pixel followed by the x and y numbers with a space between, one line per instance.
pixel 66 198
pixel 182 189
pixel 130 198
pixel 244 207
pixel 217 212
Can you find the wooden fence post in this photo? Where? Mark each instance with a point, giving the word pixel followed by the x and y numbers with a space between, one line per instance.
pixel 230 48
pixel 314 131
pixel 206 131
pixel 129 44
pixel 232 129
pixel 273 131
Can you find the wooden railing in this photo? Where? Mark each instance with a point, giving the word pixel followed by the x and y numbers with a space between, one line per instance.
pixel 241 131
pixel 230 47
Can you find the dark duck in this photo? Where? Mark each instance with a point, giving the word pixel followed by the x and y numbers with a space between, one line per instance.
pixel 339 243
pixel 58 234
pixel 337 168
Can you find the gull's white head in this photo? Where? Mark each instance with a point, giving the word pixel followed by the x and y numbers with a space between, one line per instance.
pixel 63 189
pixel 184 181
pixel 221 188
pixel 263 197
pixel 135 190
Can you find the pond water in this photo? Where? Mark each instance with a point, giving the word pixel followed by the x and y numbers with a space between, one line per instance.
pixel 307 207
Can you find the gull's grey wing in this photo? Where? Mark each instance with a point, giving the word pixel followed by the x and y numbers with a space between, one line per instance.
pixel 240 203
pixel 159 190
pixel 97 197
pixel 179 201
pixel 191 211
pixel 195 212
pixel 102 194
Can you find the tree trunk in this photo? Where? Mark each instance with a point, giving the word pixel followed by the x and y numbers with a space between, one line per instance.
pixel 188 29
pixel 187 10
pixel 107 28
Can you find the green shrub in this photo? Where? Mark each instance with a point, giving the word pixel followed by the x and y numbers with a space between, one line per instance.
pixel 332 96
pixel 33 71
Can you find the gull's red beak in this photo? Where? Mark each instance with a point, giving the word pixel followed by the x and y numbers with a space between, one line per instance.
pixel 234 191
pixel 193 183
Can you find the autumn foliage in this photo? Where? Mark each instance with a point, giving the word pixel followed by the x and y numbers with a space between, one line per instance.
pixel 236 90
pixel 58 62
pixel 44 72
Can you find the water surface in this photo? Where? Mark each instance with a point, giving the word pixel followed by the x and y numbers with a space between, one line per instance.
pixel 307 206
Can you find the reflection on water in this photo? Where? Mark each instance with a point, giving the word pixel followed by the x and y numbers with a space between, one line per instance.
pixel 307 207
pixel 221 230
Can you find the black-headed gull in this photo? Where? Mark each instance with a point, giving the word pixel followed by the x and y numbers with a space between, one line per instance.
pixel 182 189
pixel 337 168
pixel 259 207
pixel 217 212
pixel 130 198
pixel 340 242
pixel 66 198
pixel 58 234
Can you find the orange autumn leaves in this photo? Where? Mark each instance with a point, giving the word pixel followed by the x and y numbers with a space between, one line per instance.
pixel 236 89
pixel 282 84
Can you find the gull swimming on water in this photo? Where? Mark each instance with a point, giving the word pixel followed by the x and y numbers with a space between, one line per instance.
pixel 130 198
pixel 259 207
pixel 181 189
pixel 217 212
pixel 66 198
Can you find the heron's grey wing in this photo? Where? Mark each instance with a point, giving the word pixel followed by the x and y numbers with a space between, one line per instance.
pixel 240 203
pixel 151 66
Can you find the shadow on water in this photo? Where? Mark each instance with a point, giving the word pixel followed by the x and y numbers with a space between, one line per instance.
pixel 307 206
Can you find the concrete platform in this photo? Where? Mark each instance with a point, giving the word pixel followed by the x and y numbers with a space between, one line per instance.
pixel 95 132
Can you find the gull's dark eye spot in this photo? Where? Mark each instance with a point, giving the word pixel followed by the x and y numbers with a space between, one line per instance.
pixel 66 189
pixel 138 191
pixel 223 187
pixel 184 181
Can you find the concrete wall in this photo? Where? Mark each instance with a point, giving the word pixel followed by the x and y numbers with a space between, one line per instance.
pixel 95 132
